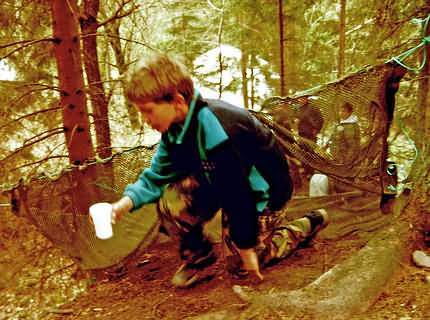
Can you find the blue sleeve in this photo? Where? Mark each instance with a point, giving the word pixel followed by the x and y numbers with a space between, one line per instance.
pixel 150 185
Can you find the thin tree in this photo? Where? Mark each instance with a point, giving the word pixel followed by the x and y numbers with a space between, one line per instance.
pixel 89 26
pixel 220 62
pixel 244 60
pixel 341 56
pixel 281 46
pixel 423 87
pixel 113 29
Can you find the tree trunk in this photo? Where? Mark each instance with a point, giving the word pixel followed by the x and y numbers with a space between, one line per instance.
pixel 281 47
pixel 243 68
pixel 420 172
pixel 73 102
pixel 252 79
pixel 423 114
pixel 89 26
pixel 382 27
pixel 244 61
pixel 115 42
pixel 341 62
pixel 347 289
pixel 220 62
pixel 69 63
pixel 293 45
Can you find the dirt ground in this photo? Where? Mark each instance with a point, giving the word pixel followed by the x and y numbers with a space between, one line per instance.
pixel 142 289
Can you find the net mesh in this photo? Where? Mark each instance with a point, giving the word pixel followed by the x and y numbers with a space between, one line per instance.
pixel 58 207
pixel 307 125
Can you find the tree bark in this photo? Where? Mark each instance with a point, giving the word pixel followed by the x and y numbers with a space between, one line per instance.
pixel 293 45
pixel 244 61
pixel 69 64
pixel 281 47
pixel 420 171
pixel 220 60
pixel 341 62
pixel 73 102
pixel 89 26
pixel 382 27
pixel 243 68
pixel 252 79
pixel 115 42
pixel 347 289
pixel 423 114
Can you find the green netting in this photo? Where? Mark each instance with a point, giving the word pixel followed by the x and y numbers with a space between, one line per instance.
pixel 59 207
pixel 371 94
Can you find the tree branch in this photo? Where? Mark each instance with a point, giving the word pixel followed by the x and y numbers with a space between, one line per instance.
pixel 118 14
pixel 214 7
pixel 117 37
pixel 26 44
pixel 39 161
pixel 27 144
pixel 45 86
pixel 42 133
pixel 29 115
pixel 15 101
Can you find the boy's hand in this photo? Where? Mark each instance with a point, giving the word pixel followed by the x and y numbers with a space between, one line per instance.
pixel 250 262
pixel 121 207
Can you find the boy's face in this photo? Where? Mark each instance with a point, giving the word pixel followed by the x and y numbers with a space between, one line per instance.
pixel 161 115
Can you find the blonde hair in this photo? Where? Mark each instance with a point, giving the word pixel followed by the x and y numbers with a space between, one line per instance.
pixel 158 78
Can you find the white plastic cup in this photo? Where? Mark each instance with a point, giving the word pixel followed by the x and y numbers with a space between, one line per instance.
pixel 101 214
pixel 318 186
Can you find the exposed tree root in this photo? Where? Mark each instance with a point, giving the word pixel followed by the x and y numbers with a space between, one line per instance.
pixel 347 289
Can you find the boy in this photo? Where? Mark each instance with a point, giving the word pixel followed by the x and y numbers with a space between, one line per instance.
pixel 211 156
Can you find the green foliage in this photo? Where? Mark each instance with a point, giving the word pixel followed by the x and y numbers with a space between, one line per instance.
pixel 27 20
pixel 23 21
pixel 375 31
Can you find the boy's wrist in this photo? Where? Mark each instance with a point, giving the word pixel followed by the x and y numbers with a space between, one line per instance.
pixel 126 204
pixel 122 206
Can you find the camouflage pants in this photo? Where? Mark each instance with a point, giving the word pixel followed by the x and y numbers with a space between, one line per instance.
pixel 186 207
pixel 278 238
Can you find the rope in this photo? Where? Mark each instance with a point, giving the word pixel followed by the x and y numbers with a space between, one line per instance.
pixel 424 41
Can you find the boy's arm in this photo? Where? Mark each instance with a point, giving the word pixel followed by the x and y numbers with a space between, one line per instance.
pixel 149 186
pixel 119 208
pixel 250 261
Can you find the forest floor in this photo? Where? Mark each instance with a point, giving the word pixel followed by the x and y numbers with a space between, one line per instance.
pixel 142 289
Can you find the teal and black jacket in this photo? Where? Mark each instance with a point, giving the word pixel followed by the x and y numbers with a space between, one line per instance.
pixel 228 149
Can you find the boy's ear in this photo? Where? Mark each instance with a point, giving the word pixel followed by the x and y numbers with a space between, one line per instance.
pixel 179 98
pixel 180 103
